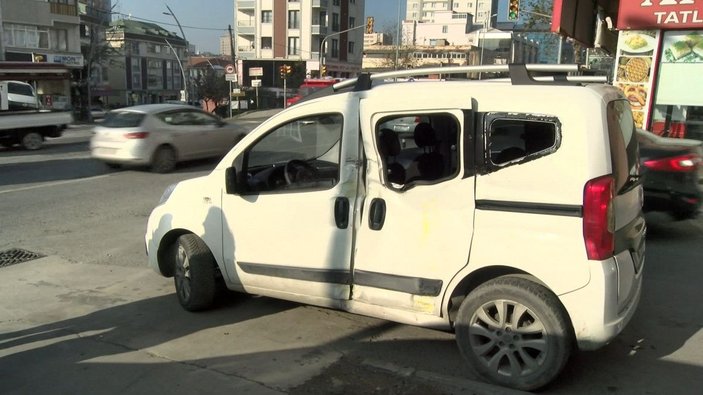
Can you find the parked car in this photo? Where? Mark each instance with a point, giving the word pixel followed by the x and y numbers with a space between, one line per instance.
pixel 160 135
pixel 97 112
pixel 672 171
pixel 516 223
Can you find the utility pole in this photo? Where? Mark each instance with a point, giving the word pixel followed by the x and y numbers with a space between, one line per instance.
pixel 236 69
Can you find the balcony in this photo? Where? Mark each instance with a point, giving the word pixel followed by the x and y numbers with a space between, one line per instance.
pixel 319 30
pixel 63 9
pixel 247 28
pixel 319 3
pixel 248 5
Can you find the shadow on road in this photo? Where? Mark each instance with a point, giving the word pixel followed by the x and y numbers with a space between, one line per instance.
pixel 50 170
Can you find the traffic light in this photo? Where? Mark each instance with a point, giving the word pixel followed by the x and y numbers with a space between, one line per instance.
pixel 285 70
pixel 513 10
pixel 323 70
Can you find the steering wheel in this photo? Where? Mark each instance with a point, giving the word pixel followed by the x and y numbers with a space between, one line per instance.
pixel 297 170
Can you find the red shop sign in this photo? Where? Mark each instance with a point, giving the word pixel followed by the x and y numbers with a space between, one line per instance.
pixel 660 14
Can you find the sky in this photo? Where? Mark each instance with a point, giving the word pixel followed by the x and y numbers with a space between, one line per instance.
pixel 204 21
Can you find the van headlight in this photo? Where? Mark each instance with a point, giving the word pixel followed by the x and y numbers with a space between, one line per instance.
pixel 167 193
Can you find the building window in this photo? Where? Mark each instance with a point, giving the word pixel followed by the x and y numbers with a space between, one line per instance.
pixel 266 43
pixel 335 48
pixel 323 18
pixel 294 19
pixel 266 16
pixel 335 2
pixel 293 46
pixel 136 73
pixel 155 79
pixel 335 22
pixel 25 36
pixel 445 29
pixel 59 39
pixel 351 47
pixel 352 22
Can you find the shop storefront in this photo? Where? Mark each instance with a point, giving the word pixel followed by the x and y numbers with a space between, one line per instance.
pixel 659 64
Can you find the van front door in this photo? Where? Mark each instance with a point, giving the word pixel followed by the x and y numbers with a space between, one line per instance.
pixel 417 223
pixel 287 232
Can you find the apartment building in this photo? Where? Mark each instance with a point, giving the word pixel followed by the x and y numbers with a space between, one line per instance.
pixel 425 10
pixel 145 68
pixel 296 31
pixel 41 45
pixel 225 45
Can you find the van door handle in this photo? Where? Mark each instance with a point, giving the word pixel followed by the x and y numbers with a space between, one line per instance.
pixel 377 214
pixel 341 212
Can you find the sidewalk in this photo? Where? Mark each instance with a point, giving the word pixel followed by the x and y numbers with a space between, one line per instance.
pixel 90 329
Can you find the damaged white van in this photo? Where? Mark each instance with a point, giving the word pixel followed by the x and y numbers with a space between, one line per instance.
pixel 510 214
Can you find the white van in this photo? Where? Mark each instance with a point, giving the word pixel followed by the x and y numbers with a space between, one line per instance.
pixel 513 217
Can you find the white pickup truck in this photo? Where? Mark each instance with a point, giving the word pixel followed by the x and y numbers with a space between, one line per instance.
pixel 23 121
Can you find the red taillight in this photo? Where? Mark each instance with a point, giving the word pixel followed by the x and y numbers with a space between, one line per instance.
pixel 598 219
pixel 136 135
pixel 681 163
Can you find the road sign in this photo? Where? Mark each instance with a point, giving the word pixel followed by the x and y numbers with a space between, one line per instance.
pixel 255 83
pixel 229 69
pixel 256 71
pixel 231 77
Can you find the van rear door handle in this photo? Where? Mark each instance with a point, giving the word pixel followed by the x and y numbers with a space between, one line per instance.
pixel 377 214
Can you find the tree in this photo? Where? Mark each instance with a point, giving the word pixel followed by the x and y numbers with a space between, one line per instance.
pixel 537 15
pixel 97 52
pixel 212 86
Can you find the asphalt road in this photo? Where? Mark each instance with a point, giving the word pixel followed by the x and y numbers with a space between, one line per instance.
pixel 91 318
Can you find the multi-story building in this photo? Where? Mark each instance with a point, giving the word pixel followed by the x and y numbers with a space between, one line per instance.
pixel 42 32
pixel 312 32
pixel 225 45
pixel 424 10
pixel 145 68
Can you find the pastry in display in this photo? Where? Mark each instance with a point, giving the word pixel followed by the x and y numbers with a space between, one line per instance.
pixel 635 41
pixel 698 49
pixel 680 49
pixel 637 70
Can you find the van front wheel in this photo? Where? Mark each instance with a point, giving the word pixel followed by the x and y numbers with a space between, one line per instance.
pixel 194 275
pixel 514 333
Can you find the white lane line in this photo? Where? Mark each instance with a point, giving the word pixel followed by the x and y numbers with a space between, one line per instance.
pixel 52 184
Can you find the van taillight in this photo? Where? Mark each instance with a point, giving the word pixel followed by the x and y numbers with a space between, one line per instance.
pixel 598 218
pixel 136 135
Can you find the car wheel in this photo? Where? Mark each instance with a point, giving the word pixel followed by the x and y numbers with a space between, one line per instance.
pixel 514 332
pixel 113 166
pixel 32 141
pixel 164 160
pixel 194 274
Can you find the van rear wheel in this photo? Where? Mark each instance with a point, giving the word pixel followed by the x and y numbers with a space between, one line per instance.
pixel 514 332
pixel 194 275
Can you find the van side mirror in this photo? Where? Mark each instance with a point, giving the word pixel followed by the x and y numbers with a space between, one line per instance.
pixel 231 181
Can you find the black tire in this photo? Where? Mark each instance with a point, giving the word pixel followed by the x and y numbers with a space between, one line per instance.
pixel 525 351
pixel 194 274
pixel 32 141
pixel 163 160
pixel 113 166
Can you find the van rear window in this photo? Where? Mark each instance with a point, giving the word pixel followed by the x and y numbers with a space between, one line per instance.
pixel 624 151
pixel 123 119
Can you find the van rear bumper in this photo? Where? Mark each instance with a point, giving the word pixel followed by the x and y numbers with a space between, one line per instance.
pixel 601 310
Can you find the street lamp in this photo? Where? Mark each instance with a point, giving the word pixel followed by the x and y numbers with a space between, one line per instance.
pixel 185 53
pixel 321 56
pixel 483 39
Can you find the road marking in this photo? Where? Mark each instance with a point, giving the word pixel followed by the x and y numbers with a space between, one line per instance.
pixel 51 184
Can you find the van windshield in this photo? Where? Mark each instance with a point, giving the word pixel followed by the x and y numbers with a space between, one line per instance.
pixel 624 150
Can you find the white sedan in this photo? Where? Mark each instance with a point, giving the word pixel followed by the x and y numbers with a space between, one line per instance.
pixel 160 135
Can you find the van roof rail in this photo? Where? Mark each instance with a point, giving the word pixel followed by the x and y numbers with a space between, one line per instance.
pixel 520 74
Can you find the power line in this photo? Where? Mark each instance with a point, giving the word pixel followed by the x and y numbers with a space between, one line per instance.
pixel 130 16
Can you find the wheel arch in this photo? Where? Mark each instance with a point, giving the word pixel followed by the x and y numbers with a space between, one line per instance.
pixel 478 277
pixel 166 252
pixel 165 145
